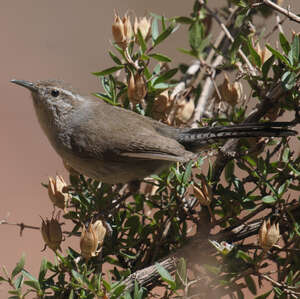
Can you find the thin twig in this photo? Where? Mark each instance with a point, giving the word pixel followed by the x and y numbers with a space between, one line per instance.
pixel 280 9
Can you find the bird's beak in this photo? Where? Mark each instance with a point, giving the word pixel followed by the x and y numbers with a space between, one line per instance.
pixel 30 85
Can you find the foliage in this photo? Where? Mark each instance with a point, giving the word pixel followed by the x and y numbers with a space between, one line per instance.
pixel 150 220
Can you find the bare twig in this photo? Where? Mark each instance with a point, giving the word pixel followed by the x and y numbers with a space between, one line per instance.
pixel 282 10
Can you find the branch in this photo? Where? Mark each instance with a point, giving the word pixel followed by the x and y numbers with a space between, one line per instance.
pixel 199 244
pixel 148 277
pixel 282 10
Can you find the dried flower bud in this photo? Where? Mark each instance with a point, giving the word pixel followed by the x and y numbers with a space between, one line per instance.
pixel 52 233
pixel 122 31
pixel 88 242
pixel 91 238
pixel 268 235
pixel 230 93
pixel 264 53
pixel 203 193
pixel 144 25
pixel 161 106
pixel 100 231
pixel 137 88
pixel 57 193
pixel 185 110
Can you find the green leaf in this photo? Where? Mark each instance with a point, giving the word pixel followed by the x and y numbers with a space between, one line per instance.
pixel 254 55
pixel 229 171
pixel 267 65
pixel 165 275
pixel 160 57
pixel 34 284
pixel 269 199
pixel 118 289
pixel 43 270
pixel 295 49
pixel 284 43
pixel 19 281
pixel 77 276
pixel 141 41
pixel 244 256
pixel 115 58
pixel 109 70
pixel 196 35
pixel 131 257
pixel 105 98
pixel 192 52
pixel 163 35
pixel 154 29
pixel 19 267
pixel 250 160
pixel 187 173
pixel 263 296
pixel 184 20
pixel 288 80
pixel 286 155
pixel 251 284
pixel 127 295
pixel 165 76
pixel 71 296
pixel 106 285
pixel 279 56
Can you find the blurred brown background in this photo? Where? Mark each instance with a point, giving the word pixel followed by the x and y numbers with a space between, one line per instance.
pixel 64 40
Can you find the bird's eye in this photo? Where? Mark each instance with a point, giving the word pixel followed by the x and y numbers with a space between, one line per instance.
pixel 54 93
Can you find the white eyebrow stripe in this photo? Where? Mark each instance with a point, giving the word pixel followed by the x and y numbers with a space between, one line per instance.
pixel 70 93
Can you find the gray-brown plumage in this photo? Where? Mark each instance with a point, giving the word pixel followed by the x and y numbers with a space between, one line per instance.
pixel 115 145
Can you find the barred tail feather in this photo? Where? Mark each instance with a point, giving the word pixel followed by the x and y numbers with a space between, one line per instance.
pixel 201 137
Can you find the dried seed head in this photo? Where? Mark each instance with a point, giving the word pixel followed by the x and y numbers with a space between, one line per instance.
pixel 268 235
pixel 52 233
pixel 264 53
pixel 57 192
pixel 88 242
pixel 230 93
pixel 185 110
pixel 122 31
pixel 203 193
pixel 91 238
pixel 137 88
pixel 144 25
pixel 100 231
pixel 161 106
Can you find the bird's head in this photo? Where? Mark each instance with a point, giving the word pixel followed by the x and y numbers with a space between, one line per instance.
pixel 52 95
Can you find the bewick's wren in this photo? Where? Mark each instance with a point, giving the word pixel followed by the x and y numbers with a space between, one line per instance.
pixel 115 145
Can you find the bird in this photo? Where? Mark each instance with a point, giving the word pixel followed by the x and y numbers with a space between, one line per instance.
pixel 115 145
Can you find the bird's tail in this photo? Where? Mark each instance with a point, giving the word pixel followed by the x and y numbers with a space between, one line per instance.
pixel 199 138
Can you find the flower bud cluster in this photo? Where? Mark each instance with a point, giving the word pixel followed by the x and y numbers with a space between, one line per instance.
pixel 137 88
pixel 91 238
pixel 268 235
pixel 57 191
pixel 230 93
pixel 122 31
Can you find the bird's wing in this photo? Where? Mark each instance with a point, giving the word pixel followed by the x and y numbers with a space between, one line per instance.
pixel 119 133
